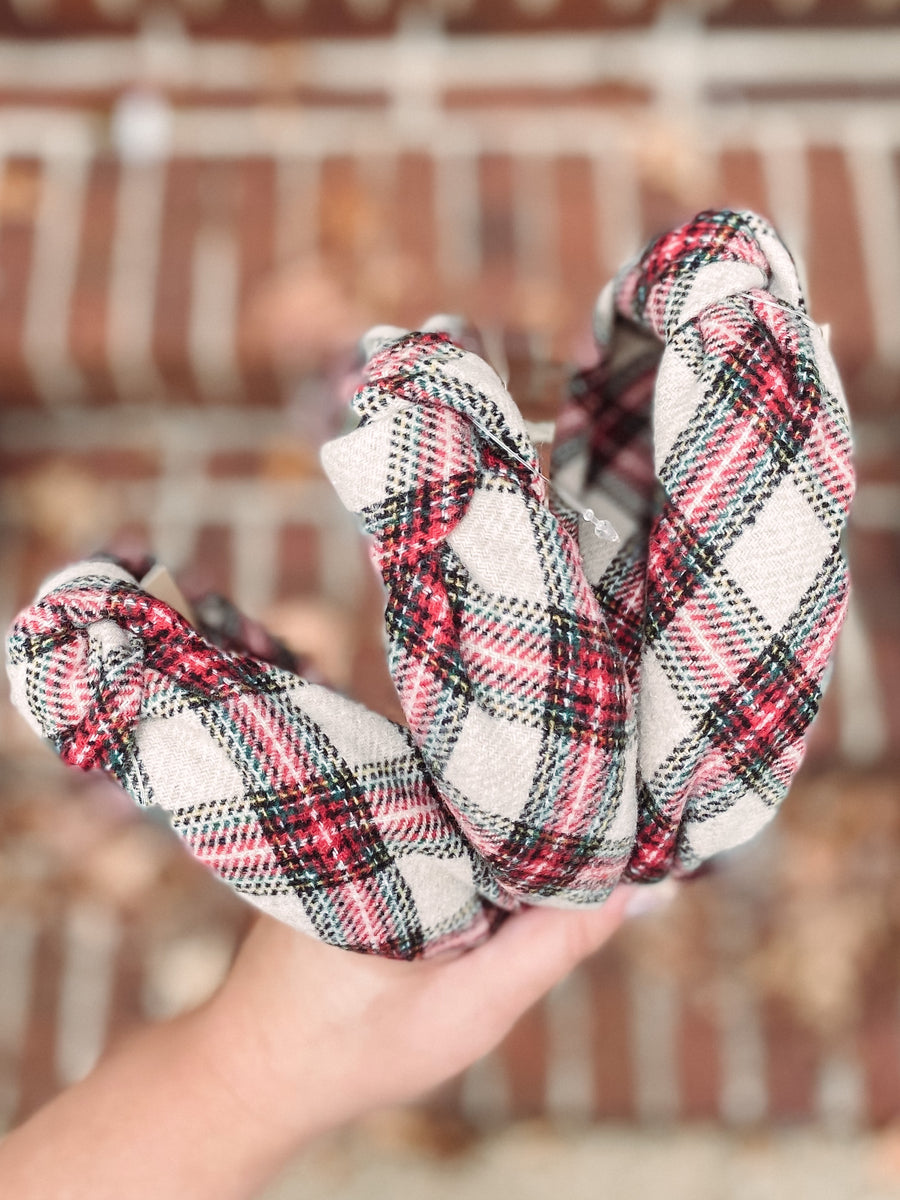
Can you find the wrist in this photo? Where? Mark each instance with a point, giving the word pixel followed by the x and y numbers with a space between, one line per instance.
pixel 275 1076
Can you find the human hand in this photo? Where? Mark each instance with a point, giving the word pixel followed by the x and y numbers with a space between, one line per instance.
pixel 301 1037
pixel 315 1036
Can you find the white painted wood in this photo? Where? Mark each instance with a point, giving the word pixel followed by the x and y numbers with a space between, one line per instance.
pixel 783 153
pixel 91 938
pixel 297 182
pixel 288 132
pixel 536 213
pixel 18 939
pixel 871 152
pixel 457 208
pixel 134 271
pixel 484 1095
pixel 571 1084
pixel 655 1007
pixel 841 1091
pixel 48 304
pixel 744 1092
pixel 213 319
pixel 734 58
pixel 863 725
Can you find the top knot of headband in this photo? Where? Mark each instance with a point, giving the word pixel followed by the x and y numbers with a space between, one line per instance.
pixel 608 677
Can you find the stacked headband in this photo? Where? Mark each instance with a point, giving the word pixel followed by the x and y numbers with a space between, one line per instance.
pixel 583 705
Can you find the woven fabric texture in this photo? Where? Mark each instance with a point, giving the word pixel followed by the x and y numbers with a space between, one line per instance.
pixel 714 434
pixel 578 709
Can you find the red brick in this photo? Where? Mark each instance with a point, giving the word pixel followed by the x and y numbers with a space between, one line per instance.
pixel 792 1064
pixel 886 654
pixel 37 1076
pixel 611 1049
pixel 523 1055
pixel 498 241
pixel 875 569
pixel 105 463
pixel 823 738
pixel 413 205
pixel 698 1062
pixel 211 568
pixel 698 1040
pixel 173 288
pixel 327 18
pixel 199 195
pixel 821 12
pixel 565 14
pixel 880 464
pixel 371 683
pixel 319 18
pixel 331 18
pixel 255 230
pixel 298 557
pixel 88 314
pixel 603 186
pixel 19 200
pixel 662 205
pixel 741 182
pixel 347 219
pixel 412 233
pixel 578 252
pixel 612 94
pixel 492 294
pixel 113 462
pixel 837 282
pixel 879 1044
pixel 235 464
pixel 33 558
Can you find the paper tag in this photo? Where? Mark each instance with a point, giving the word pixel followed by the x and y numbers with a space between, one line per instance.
pixel 159 583
pixel 541 433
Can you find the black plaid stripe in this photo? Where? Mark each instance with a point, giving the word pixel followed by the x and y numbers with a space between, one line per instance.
pixel 749 632
pixel 414 633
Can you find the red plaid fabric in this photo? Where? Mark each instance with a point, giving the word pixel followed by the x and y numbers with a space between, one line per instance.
pixel 578 709
pixel 513 689
pixel 315 809
pixel 714 434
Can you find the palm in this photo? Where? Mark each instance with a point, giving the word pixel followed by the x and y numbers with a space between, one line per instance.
pixel 372 1031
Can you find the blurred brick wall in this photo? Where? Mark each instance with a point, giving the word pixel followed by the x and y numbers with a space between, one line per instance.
pixel 348 18
pixel 198 216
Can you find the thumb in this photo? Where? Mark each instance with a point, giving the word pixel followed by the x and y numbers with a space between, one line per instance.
pixel 529 954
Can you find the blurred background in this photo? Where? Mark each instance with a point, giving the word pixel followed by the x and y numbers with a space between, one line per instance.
pixel 203 203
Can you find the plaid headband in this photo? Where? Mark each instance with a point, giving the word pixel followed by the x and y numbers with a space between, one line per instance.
pixel 579 708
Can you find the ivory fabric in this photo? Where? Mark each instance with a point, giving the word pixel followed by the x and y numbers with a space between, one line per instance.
pixel 579 710
pixel 714 434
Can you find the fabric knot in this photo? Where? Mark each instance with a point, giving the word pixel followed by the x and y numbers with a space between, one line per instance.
pixel 709 259
pixel 92 640
pixel 428 368
pixel 433 420
pixel 76 641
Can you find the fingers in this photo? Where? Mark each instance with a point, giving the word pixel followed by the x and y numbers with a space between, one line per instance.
pixel 528 955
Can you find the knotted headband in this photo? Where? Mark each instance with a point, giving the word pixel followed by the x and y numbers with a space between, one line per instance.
pixel 579 708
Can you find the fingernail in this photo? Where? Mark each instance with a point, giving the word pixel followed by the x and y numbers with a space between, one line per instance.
pixel 650 897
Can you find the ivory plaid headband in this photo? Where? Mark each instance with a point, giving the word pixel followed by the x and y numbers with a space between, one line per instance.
pixel 579 709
